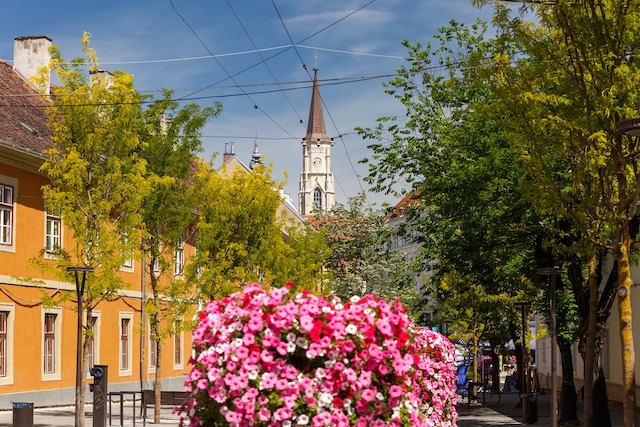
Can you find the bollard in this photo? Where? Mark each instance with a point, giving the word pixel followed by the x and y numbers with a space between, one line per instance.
pixel 22 414
pixel 529 408
pixel 100 392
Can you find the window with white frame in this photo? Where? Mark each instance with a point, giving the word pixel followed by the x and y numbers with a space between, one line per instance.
pixel 126 343
pixel 6 343
pixel 53 232
pixel 178 260
pixel 93 326
pixel 177 345
pixel 156 266
pixel 152 350
pixel 51 343
pixel 7 212
pixel 128 263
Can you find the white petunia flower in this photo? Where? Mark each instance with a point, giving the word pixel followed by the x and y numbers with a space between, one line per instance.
pixel 351 329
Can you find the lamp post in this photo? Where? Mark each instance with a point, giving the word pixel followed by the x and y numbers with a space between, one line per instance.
pixel 553 272
pixel 80 375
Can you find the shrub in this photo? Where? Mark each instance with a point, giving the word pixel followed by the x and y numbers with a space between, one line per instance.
pixel 273 358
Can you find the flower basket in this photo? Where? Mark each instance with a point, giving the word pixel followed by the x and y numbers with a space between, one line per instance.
pixel 275 358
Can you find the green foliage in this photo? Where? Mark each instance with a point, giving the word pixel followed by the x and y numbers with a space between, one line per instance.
pixel 172 137
pixel 241 236
pixel 472 218
pixel 361 260
pixel 97 175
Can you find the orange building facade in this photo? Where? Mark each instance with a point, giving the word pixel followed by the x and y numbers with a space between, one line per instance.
pixel 38 343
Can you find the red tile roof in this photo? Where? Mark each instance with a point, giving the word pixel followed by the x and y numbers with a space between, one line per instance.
pixel 23 120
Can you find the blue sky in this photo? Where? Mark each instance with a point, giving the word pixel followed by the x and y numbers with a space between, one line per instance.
pixel 168 45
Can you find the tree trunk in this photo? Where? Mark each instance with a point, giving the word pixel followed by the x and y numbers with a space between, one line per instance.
pixel 568 395
pixel 601 416
pixel 157 386
pixel 626 329
pixel 590 343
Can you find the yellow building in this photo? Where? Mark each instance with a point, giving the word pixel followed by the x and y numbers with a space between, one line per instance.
pixel 38 343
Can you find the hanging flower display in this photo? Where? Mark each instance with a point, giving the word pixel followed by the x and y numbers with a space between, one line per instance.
pixel 275 358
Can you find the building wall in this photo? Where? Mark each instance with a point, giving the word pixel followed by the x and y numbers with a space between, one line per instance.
pixel 22 287
pixel 612 357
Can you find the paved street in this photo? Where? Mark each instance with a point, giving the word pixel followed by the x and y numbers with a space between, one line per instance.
pixel 504 414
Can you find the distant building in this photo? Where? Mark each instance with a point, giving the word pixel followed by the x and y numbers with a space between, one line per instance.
pixel 232 163
pixel 316 180
pixel 405 242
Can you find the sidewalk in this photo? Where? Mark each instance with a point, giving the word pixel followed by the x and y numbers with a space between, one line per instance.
pixel 506 413
pixel 64 416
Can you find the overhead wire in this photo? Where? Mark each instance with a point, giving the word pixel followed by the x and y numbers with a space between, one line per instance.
pixel 304 66
pixel 265 63
pixel 255 105
pixel 286 49
pixel 244 52
pixel 183 98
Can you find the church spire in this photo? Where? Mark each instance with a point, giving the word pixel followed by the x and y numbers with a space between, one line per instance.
pixel 256 157
pixel 316 180
pixel 316 127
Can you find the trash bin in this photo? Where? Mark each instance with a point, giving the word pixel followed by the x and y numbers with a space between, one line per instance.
pixel 22 414
pixel 529 408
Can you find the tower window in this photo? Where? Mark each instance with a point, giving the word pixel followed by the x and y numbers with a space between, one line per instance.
pixel 317 198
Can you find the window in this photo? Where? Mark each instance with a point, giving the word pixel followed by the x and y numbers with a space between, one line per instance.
pixel 156 266
pixel 178 261
pixel 6 343
pixel 317 198
pixel 6 214
pixel 128 262
pixel 177 346
pixel 152 350
pixel 4 339
pixel 93 325
pixel 126 344
pixel 53 233
pixel 51 343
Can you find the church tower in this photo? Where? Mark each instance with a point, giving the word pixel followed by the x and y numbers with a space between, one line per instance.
pixel 316 180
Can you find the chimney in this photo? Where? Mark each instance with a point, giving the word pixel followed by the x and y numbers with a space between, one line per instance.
pixel 30 53
pixel 228 152
pixel 104 76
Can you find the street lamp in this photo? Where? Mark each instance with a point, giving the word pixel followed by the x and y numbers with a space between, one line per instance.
pixel 80 375
pixel 553 272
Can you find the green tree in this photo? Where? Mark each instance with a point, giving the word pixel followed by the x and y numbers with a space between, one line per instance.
pixel 242 237
pixel 172 140
pixel 474 219
pixel 97 181
pixel 361 259
pixel 576 76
